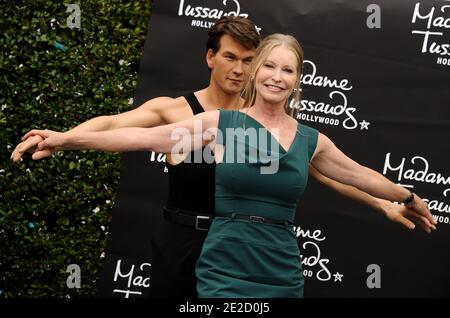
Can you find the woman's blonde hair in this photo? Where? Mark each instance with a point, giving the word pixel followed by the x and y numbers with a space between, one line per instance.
pixel 262 52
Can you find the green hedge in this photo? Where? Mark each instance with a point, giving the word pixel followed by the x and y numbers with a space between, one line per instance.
pixel 57 211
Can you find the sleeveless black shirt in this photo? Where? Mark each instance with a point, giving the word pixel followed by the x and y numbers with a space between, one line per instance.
pixel 192 185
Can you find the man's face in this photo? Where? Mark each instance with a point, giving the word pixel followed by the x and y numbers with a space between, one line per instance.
pixel 230 65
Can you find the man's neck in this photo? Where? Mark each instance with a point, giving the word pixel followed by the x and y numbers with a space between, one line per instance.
pixel 212 98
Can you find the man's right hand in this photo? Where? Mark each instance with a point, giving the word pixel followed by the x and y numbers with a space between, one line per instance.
pixel 30 145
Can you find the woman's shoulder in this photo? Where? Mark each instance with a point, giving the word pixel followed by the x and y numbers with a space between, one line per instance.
pixel 312 137
pixel 307 131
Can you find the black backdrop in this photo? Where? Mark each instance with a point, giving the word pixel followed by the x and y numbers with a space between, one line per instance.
pixel 381 94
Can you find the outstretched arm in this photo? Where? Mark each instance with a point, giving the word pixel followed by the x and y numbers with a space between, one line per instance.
pixel 332 163
pixel 184 136
pixel 151 113
pixel 395 212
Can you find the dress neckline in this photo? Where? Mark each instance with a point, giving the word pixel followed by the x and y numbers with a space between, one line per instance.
pixel 281 146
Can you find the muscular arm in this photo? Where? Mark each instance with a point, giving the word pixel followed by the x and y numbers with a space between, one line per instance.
pixel 333 163
pixel 184 136
pixel 149 114
pixel 347 190
pixel 333 168
pixel 152 113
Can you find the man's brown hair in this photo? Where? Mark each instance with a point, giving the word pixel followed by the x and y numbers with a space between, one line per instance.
pixel 241 29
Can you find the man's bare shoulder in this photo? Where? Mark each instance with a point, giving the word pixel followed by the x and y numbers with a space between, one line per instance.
pixel 176 110
pixel 164 102
pixel 170 110
pixel 180 102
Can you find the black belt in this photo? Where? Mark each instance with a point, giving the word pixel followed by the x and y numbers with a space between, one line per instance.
pixel 257 219
pixel 188 218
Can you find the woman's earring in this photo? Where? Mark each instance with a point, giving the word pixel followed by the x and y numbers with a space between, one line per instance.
pixel 293 92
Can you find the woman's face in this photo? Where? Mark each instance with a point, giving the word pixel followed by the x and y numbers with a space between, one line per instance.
pixel 276 77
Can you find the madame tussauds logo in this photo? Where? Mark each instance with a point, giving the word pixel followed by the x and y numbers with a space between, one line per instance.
pixel 313 261
pixel 135 281
pixel 199 13
pixel 334 112
pixel 416 170
pixel 432 24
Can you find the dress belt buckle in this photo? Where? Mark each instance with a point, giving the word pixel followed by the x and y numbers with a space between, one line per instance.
pixel 197 219
pixel 258 219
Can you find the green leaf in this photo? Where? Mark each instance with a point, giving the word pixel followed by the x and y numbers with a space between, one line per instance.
pixel 57 193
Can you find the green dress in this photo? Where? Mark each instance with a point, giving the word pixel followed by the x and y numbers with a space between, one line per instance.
pixel 244 258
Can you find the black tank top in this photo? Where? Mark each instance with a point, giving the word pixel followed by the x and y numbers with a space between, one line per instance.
pixel 192 185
